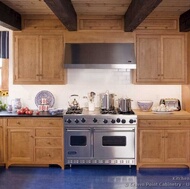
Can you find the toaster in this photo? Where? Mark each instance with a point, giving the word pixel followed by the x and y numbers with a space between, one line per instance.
pixel 171 103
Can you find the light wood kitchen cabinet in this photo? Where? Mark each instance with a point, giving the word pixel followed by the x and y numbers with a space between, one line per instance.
pixel 20 145
pixel 38 58
pixel 161 59
pixel 2 144
pixel 35 141
pixel 166 143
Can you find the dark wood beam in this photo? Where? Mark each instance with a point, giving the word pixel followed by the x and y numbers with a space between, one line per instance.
pixel 9 18
pixel 184 22
pixel 65 11
pixel 137 11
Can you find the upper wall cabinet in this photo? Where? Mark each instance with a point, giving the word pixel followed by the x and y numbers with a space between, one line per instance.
pixel 38 58
pixel 161 59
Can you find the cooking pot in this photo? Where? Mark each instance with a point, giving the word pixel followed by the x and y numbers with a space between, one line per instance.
pixel 107 100
pixel 73 101
pixel 124 104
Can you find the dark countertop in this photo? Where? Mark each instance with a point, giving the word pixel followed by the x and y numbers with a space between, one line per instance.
pixel 41 114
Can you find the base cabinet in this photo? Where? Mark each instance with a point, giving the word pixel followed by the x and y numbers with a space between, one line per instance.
pixel 35 141
pixel 20 145
pixel 163 144
pixel 1 142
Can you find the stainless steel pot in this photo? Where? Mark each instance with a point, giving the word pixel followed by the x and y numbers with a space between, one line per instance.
pixel 124 104
pixel 107 100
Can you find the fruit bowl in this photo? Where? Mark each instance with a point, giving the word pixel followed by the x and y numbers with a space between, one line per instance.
pixel 145 105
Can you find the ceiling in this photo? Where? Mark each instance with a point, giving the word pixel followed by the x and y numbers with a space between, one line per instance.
pixel 133 11
pixel 167 8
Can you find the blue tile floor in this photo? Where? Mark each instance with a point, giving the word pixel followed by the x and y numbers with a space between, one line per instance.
pixel 93 177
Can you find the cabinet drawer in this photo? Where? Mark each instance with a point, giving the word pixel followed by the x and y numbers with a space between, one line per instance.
pixel 49 154
pixel 49 122
pixel 49 142
pixel 49 132
pixel 164 123
pixel 23 122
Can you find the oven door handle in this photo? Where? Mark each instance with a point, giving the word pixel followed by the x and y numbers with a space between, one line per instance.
pixel 78 130
pixel 115 129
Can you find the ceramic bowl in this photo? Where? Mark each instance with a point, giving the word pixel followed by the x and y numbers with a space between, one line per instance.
pixel 145 105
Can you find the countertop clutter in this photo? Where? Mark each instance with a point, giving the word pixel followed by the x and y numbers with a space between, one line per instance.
pixel 170 115
pixel 39 114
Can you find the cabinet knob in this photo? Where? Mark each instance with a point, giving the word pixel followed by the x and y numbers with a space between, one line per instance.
pixel 18 123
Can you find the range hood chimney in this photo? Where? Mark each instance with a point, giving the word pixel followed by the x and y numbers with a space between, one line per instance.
pixel 99 56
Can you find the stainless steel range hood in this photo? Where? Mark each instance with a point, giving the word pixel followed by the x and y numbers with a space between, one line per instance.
pixel 100 56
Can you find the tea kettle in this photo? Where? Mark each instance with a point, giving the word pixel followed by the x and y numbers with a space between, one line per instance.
pixel 73 102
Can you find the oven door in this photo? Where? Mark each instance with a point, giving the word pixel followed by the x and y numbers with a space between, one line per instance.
pixel 77 142
pixel 114 143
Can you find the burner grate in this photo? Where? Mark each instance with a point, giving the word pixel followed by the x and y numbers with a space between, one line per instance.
pixel 109 111
pixel 131 112
pixel 74 111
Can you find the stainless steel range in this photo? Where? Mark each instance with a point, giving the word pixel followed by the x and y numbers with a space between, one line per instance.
pixel 100 137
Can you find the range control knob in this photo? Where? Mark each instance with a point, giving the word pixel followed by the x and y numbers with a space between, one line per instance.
pixel 83 120
pixel 76 121
pixel 132 121
pixel 123 121
pixel 68 121
pixel 113 121
pixel 105 121
pixel 118 120
pixel 95 120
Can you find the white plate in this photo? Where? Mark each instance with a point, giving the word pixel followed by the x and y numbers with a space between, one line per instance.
pixel 166 112
pixel 45 94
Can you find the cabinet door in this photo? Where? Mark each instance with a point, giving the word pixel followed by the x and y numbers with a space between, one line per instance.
pixel 151 146
pixel 1 145
pixel 51 59
pixel 173 58
pixel 20 145
pixel 26 59
pixel 148 58
pixel 176 146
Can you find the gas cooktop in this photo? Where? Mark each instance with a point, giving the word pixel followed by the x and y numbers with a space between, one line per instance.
pixel 113 111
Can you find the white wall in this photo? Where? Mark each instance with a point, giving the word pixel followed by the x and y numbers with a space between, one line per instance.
pixel 82 82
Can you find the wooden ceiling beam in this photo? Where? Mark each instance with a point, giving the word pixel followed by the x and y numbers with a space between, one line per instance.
pixel 9 18
pixel 184 22
pixel 65 11
pixel 137 11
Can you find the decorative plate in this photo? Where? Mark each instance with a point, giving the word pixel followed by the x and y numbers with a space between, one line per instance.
pixel 47 95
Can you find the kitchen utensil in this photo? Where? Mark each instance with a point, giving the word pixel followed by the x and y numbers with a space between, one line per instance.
pixel 124 104
pixel 91 105
pixel 92 96
pixel 73 101
pixel 171 103
pixel 107 100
